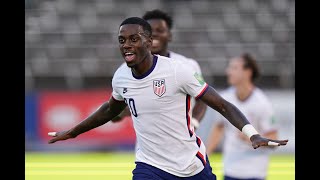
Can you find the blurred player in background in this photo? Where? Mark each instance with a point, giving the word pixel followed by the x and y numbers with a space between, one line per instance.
pixel 158 90
pixel 240 160
pixel 161 24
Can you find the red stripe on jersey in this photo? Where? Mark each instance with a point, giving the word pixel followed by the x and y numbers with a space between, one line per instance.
pixel 160 89
pixel 201 157
pixel 198 141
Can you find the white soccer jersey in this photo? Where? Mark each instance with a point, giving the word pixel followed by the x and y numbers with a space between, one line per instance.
pixel 159 102
pixel 239 158
pixel 190 62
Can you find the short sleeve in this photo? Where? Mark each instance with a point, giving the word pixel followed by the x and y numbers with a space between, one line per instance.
pixel 267 119
pixel 115 91
pixel 189 81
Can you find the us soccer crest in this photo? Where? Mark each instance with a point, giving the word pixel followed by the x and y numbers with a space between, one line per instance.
pixel 159 87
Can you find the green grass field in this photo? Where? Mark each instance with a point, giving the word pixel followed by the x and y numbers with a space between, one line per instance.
pixel 118 166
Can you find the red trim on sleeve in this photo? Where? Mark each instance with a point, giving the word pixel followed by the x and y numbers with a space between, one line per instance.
pixel 205 89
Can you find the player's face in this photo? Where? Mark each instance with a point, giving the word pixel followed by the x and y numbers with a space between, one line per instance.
pixel 134 44
pixel 161 35
pixel 236 74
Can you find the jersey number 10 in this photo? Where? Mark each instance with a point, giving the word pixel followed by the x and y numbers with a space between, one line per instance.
pixel 130 103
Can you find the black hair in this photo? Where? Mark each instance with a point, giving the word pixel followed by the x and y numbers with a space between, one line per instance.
pixel 158 14
pixel 136 20
pixel 251 63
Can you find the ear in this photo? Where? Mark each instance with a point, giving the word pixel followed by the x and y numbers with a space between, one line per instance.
pixel 149 42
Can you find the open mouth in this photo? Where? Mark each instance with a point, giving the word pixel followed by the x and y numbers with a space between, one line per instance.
pixel 155 43
pixel 129 57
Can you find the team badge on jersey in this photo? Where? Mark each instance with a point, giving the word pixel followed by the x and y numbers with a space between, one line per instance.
pixel 159 87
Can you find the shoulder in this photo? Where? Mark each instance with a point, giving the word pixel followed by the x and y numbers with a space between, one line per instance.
pixel 167 62
pixel 121 72
pixel 174 55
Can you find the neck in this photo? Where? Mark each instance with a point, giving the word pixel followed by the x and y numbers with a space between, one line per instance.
pixel 144 66
pixel 164 52
pixel 244 90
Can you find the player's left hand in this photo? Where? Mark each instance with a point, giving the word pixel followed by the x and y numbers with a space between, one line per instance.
pixel 258 141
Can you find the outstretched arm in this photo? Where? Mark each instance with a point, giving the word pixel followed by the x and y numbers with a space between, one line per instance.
pixel 122 115
pixel 236 118
pixel 105 113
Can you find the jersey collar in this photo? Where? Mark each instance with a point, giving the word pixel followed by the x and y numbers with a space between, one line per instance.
pixel 155 58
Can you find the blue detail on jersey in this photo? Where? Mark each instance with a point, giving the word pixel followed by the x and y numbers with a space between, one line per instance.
pixel 187 114
pixel 155 58
pixel 132 106
pixel 203 92
pixel 198 141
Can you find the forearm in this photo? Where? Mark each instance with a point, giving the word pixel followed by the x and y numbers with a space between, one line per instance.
pixel 215 138
pixel 228 110
pixel 233 115
pixel 96 119
pixel 123 114
pixel 199 110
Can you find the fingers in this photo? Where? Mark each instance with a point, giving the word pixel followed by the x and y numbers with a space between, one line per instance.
pixel 58 138
pixel 283 142
pixel 52 140
pixel 255 146
pixel 277 142
pixel 268 142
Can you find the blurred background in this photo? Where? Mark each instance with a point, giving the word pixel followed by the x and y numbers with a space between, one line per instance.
pixel 71 53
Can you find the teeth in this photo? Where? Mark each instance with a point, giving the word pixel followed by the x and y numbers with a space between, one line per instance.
pixel 128 54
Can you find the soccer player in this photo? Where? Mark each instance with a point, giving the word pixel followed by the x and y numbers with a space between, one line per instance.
pixel 161 24
pixel 241 162
pixel 158 90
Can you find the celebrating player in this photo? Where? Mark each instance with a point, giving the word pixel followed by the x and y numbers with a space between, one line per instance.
pixel 158 91
pixel 161 25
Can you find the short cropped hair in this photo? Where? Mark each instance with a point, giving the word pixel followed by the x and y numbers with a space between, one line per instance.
pixel 158 14
pixel 136 20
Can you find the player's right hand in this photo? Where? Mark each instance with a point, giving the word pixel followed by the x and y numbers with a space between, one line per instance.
pixel 60 136
pixel 258 141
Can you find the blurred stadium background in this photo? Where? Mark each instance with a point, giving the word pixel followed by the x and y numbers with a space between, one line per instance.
pixel 71 53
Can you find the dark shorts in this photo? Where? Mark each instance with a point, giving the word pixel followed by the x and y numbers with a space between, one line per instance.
pixel 232 178
pixel 144 171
